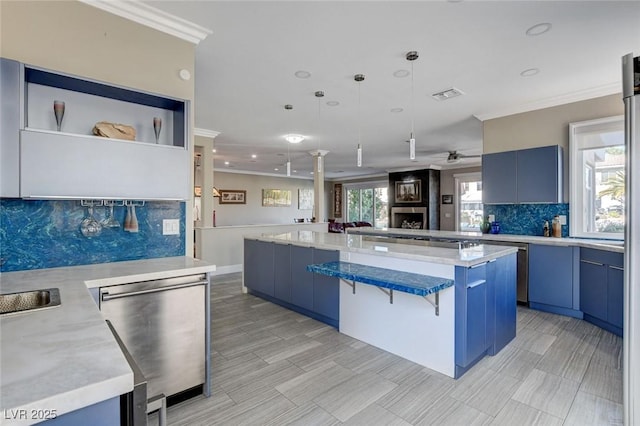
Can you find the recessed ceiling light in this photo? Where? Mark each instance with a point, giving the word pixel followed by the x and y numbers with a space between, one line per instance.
pixel 310 173
pixel 294 138
pixel 253 156
pixel 397 109
pixel 302 74
pixel 214 150
pixel 276 169
pixel 333 103
pixel 295 171
pixel 226 163
pixel 530 72
pixel 401 73
pixel 538 29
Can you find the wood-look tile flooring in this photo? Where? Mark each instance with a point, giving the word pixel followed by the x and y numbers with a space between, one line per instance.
pixel 272 366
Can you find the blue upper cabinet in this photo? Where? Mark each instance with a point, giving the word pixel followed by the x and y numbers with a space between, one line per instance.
pixel 540 175
pixel 525 176
pixel 499 178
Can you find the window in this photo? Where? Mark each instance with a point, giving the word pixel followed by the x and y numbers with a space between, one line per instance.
pixel 597 155
pixel 368 203
pixel 469 208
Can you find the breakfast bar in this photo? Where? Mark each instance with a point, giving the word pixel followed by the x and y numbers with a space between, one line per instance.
pixel 443 308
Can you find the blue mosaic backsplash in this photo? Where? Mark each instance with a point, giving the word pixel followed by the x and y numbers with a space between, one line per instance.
pixel 527 219
pixel 37 234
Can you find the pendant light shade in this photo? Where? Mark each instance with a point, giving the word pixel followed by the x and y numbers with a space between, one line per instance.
pixel 412 56
pixel 359 78
pixel 319 160
pixel 288 168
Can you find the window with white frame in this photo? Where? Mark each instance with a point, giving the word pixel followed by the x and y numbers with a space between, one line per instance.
pixel 368 202
pixel 468 202
pixel 597 176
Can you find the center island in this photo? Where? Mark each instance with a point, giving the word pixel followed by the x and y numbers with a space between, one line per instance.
pixel 443 306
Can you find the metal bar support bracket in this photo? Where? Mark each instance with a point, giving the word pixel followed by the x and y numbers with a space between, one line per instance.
pixel 436 305
pixel 388 293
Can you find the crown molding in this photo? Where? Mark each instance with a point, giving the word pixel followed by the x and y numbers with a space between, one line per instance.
pixel 567 98
pixel 249 172
pixel 154 18
pixel 197 131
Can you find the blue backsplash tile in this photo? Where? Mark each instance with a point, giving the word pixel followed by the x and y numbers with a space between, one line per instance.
pixel 527 219
pixel 37 234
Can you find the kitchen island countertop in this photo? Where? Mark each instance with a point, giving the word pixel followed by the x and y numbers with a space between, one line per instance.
pixel 65 358
pixel 350 243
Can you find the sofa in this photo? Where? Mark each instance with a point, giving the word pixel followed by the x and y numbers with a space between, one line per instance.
pixel 339 227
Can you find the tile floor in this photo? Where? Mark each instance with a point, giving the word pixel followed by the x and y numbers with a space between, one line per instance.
pixel 272 366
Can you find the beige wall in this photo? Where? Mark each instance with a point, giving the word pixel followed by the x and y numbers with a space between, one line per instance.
pixel 253 213
pixel 78 39
pixel 548 126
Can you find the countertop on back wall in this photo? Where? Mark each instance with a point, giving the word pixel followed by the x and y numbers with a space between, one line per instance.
pixel 609 245
pixel 65 358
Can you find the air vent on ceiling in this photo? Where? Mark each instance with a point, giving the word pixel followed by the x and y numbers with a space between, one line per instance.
pixel 447 94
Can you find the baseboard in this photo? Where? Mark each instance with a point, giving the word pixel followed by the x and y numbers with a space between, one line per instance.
pixel 227 269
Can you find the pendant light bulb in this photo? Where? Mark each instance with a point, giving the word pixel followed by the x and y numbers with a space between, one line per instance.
pixel 359 156
pixel 288 168
pixel 412 148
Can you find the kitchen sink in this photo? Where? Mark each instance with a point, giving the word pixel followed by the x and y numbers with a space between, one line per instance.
pixel 29 300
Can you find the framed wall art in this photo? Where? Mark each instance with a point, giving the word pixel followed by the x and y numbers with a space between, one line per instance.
pixel 337 200
pixel 233 196
pixel 305 199
pixel 276 197
pixel 447 199
pixel 408 191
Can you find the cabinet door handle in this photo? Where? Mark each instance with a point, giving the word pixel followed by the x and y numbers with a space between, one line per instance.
pixel 591 262
pixel 616 267
pixel 476 284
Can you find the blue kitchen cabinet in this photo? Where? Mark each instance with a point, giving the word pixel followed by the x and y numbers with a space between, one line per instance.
pixel 499 178
pixel 525 176
pixel 326 289
pixel 553 279
pixel 301 279
pixel 259 266
pixel 602 288
pixel 539 175
pixel 472 327
pixel 502 272
pixel 282 271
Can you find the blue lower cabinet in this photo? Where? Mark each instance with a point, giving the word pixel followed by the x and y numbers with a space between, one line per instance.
pixel 326 290
pixel 471 324
pixel 105 413
pixel 553 279
pixel 301 279
pixel 503 273
pixel 602 288
pixel 615 297
pixel 258 266
pixel 282 272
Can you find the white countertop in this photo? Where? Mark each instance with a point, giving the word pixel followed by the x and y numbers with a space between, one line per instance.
pixel 65 358
pixel 610 245
pixel 358 244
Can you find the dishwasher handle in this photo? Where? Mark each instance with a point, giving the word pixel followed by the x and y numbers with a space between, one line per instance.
pixel 105 296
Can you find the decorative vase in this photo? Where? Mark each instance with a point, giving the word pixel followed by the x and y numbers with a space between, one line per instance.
pixel 157 126
pixel 495 227
pixel 485 226
pixel 58 111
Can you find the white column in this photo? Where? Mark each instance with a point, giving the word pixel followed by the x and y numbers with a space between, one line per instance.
pixel 319 211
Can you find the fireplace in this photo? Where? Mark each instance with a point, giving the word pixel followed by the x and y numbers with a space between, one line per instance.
pixel 409 217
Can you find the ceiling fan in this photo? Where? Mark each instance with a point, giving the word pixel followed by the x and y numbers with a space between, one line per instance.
pixel 456 157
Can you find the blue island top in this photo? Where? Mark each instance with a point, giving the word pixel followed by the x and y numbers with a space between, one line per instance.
pixel 408 282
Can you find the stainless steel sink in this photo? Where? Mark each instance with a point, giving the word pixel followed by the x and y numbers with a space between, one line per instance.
pixel 29 300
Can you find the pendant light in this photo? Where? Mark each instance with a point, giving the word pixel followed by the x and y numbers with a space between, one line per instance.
pixel 412 56
pixel 319 94
pixel 359 78
pixel 288 107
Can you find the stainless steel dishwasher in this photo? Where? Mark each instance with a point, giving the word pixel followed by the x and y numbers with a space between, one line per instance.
pixel 162 324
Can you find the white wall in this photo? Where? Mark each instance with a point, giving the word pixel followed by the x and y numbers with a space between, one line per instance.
pixel 253 213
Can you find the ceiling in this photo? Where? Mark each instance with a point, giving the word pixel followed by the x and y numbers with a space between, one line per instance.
pixel 245 75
